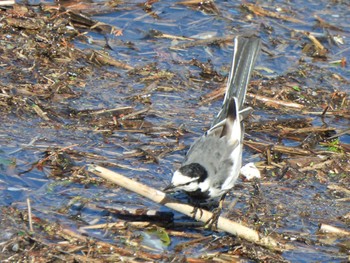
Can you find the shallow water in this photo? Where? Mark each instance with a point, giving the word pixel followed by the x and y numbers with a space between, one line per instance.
pixel 288 198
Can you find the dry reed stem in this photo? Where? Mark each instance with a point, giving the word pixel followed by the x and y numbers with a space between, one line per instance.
pixel 160 197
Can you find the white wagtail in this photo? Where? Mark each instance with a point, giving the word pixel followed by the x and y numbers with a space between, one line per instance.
pixel 212 164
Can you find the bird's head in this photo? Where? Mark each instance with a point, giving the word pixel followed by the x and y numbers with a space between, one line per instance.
pixel 187 178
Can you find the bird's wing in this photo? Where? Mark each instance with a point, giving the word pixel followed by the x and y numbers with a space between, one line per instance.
pixel 211 151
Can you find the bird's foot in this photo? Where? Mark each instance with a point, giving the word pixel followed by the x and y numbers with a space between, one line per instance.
pixel 196 209
pixel 212 223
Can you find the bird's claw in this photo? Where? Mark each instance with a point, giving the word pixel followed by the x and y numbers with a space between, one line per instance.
pixel 212 223
pixel 195 210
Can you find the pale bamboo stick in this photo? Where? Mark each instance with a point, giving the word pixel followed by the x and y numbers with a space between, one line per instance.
pixel 160 197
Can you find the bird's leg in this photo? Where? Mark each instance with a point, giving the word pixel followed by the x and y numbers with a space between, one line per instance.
pixel 212 223
pixel 196 208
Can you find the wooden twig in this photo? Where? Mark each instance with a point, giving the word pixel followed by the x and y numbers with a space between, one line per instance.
pixel 120 225
pixel 308 130
pixel 315 41
pixel 338 188
pixel 40 112
pixel 203 42
pixel 333 230
pixel 316 166
pixel 7 3
pixel 30 216
pixel 193 242
pixel 278 148
pixel 221 92
pixel 160 197
pixel 103 111
pixel 264 12
pixel 134 114
pixel 275 101
pixel 105 59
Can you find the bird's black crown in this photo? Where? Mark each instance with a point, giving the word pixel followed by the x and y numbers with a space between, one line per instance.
pixel 194 170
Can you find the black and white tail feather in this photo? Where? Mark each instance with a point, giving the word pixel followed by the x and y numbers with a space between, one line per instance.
pixel 213 162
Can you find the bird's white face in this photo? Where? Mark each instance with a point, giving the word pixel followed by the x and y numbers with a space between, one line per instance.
pixel 183 182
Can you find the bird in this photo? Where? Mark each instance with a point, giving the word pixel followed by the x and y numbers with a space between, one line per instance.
pixel 212 164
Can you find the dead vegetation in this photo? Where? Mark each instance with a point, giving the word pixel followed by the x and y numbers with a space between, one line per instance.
pixel 295 135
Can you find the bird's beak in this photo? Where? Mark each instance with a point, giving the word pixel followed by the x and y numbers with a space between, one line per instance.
pixel 169 188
